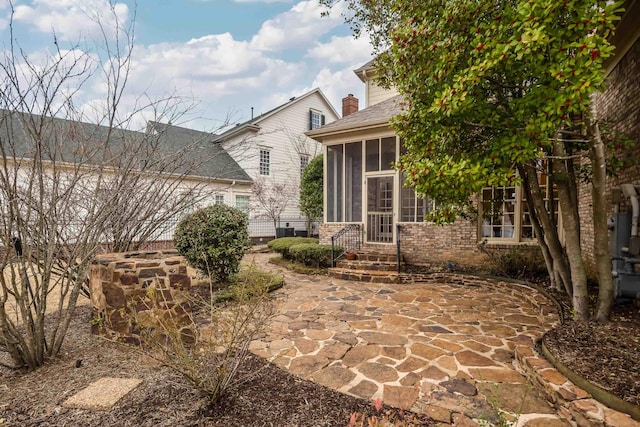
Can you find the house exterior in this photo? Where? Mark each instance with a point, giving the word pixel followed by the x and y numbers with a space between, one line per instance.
pixel 619 107
pixel 362 188
pixel 131 177
pixel 223 178
pixel 273 150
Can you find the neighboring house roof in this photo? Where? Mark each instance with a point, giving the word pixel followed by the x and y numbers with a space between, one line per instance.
pixel 76 142
pixel 253 124
pixel 215 162
pixel 375 116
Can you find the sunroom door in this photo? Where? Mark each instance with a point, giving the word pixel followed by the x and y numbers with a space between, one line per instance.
pixel 380 209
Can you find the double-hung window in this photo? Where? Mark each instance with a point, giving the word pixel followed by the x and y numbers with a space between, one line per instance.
pixel 265 162
pixel 304 161
pixel 505 215
pixel 242 203
pixel 218 199
pixel 316 119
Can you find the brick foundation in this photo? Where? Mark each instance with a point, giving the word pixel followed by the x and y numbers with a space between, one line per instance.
pixel 428 244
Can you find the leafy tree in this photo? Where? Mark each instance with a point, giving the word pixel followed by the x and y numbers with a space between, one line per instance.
pixel 311 187
pixel 492 88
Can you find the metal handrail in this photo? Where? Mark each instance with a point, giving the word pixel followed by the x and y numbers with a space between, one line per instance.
pixel 349 238
pixel 398 227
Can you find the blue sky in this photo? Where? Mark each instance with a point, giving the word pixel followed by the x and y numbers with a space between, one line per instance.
pixel 224 55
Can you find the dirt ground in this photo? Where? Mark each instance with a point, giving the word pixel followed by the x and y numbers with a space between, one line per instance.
pixel 272 398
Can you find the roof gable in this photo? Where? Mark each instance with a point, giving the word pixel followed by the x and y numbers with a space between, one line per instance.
pixel 254 123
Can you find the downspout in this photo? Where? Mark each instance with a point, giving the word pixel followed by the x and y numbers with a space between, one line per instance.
pixel 629 190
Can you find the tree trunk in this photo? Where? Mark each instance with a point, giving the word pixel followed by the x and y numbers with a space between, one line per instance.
pixel 571 225
pixel 550 238
pixel 544 248
pixel 606 291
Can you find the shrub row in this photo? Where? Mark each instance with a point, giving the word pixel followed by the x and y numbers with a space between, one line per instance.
pixel 283 244
pixel 306 251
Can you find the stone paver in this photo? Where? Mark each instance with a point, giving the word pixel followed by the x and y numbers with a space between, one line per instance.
pixel 442 349
pixel 102 394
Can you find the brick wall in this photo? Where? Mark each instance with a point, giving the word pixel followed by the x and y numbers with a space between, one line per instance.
pixel 456 243
pixel 619 105
pixel 429 244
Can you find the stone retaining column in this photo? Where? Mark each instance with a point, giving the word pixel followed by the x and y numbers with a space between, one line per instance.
pixel 130 285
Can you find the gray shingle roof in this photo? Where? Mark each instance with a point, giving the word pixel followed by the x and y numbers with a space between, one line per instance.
pixel 78 142
pixel 376 114
pixel 215 162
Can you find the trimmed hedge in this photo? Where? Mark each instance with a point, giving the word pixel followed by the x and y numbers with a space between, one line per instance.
pixel 283 244
pixel 213 240
pixel 312 254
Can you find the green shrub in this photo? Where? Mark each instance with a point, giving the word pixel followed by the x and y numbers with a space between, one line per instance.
pixel 213 240
pixel 312 254
pixel 283 244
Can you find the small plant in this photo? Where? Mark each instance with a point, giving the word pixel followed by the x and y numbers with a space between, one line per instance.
pixel 208 356
pixel 388 418
pixel 515 263
pixel 284 244
pixel 213 240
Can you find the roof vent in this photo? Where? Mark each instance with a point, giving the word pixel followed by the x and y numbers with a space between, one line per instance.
pixel 292 98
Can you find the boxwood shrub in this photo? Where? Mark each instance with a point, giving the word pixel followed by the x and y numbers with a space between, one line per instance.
pixel 213 240
pixel 312 254
pixel 283 244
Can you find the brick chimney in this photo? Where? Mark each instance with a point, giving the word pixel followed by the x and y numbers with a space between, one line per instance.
pixel 349 105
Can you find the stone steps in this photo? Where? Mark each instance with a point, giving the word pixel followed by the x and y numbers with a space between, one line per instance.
pixel 361 275
pixel 374 265
pixel 367 265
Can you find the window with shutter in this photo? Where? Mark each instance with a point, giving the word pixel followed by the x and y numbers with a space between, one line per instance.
pixel 316 119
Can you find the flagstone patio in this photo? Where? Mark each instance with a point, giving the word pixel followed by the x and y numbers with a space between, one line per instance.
pixel 443 349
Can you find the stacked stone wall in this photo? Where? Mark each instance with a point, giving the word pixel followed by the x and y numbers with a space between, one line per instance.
pixel 134 285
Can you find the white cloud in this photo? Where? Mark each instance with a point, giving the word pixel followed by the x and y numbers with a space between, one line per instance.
pixel 73 19
pixel 342 50
pixel 297 27
pixel 222 74
pixel 338 84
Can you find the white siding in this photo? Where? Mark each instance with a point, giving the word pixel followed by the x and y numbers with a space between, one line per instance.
pixel 283 134
pixel 377 94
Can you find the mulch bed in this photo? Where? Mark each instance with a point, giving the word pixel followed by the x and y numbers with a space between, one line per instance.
pixel 272 398
pixel 606 355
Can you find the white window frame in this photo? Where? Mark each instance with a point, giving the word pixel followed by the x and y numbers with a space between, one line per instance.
pixel 218 199
pixel 518 214
pixel 244 205
pixel 316 119
pixel 304 162
pixel 264 166
pixel 416 215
